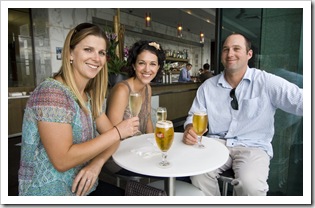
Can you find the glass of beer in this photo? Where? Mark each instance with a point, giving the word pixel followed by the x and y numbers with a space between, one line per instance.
pixel 135 102
pixel 164 136
pixel 200 122
pixel 161 114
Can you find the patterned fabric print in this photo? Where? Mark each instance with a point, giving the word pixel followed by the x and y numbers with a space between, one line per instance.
pixel 52 102
pixel 144 112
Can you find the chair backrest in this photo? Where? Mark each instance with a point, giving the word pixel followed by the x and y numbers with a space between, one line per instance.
pixel 134 188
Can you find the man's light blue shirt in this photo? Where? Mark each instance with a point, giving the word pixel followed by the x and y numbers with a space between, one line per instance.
pixel 184 75
pixel 259 94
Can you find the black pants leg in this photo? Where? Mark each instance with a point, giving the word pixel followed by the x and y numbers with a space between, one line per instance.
pixel 106 189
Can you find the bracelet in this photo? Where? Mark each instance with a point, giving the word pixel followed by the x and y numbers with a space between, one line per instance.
pixel 118 132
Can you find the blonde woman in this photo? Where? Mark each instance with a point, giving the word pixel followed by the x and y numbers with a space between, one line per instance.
pixel 66 137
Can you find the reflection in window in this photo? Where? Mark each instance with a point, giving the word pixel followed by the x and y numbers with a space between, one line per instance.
pixel 20 49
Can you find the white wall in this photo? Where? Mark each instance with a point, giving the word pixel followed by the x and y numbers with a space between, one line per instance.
pixel 52 25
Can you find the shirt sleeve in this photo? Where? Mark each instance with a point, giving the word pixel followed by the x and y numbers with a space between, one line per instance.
pixel 186 75
pixel 199 104
pixel 285 95
pixel 52 104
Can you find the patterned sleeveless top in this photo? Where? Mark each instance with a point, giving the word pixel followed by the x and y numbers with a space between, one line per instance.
pixel 144 112
pixel 51 101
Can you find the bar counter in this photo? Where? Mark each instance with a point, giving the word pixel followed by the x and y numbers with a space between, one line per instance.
pixel 159 88
pixel 177 98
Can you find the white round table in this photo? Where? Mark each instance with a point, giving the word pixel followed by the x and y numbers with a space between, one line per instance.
pixel 139 154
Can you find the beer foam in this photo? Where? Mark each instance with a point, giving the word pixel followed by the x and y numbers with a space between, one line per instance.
pixel 200 113
pixel 164 124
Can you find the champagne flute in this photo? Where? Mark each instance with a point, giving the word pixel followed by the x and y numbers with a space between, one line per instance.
pixel 135 102
pixel 161 114
pixel 200 122
pixel 164 136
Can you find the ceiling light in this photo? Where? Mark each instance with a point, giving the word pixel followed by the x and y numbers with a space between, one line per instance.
pixel 148 19
pixel 179 30
pixel 202 37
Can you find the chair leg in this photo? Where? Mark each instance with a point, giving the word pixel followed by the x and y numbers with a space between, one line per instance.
pixel 227 178
pixel 225 186
pixel 117 181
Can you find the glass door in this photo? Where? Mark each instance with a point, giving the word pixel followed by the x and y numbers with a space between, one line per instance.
pixel 277 41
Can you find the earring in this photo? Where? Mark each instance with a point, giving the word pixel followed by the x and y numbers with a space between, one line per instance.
pixel 71 61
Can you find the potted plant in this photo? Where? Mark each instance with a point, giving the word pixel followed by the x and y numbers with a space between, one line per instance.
pixel 115 73
pixel 115 65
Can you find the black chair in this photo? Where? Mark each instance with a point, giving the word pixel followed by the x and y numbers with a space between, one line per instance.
pixel 134 188
pixel 129 176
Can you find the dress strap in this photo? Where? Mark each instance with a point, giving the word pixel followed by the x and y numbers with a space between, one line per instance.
pixel 126 83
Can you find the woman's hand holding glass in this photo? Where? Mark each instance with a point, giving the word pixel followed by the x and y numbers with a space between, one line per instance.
pixel 128 127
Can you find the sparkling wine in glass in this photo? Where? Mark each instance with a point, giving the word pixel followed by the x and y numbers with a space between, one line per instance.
pixel 161 114
pixel 135 102
pixel 164 136
pixel 200 122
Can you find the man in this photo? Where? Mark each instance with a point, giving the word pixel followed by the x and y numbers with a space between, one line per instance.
pixel 206 73
pixel 242 117
pixel 184 75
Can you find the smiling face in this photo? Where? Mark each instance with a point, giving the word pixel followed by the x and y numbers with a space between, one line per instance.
pixel 88 56
pixel 235 55
pixel 146 66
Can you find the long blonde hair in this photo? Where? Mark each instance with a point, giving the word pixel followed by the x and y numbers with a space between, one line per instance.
pixel 97 86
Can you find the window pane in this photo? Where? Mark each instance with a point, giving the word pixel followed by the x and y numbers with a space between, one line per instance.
pixel 21 66
pixel 277 40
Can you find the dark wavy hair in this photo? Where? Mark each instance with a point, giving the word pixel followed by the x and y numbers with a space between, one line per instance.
pixel 138 48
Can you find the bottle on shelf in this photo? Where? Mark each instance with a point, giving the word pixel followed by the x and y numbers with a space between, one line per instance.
pixel 164 77
pixel 170 77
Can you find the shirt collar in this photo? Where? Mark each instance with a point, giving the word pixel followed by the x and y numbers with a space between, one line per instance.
pixel 247 76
